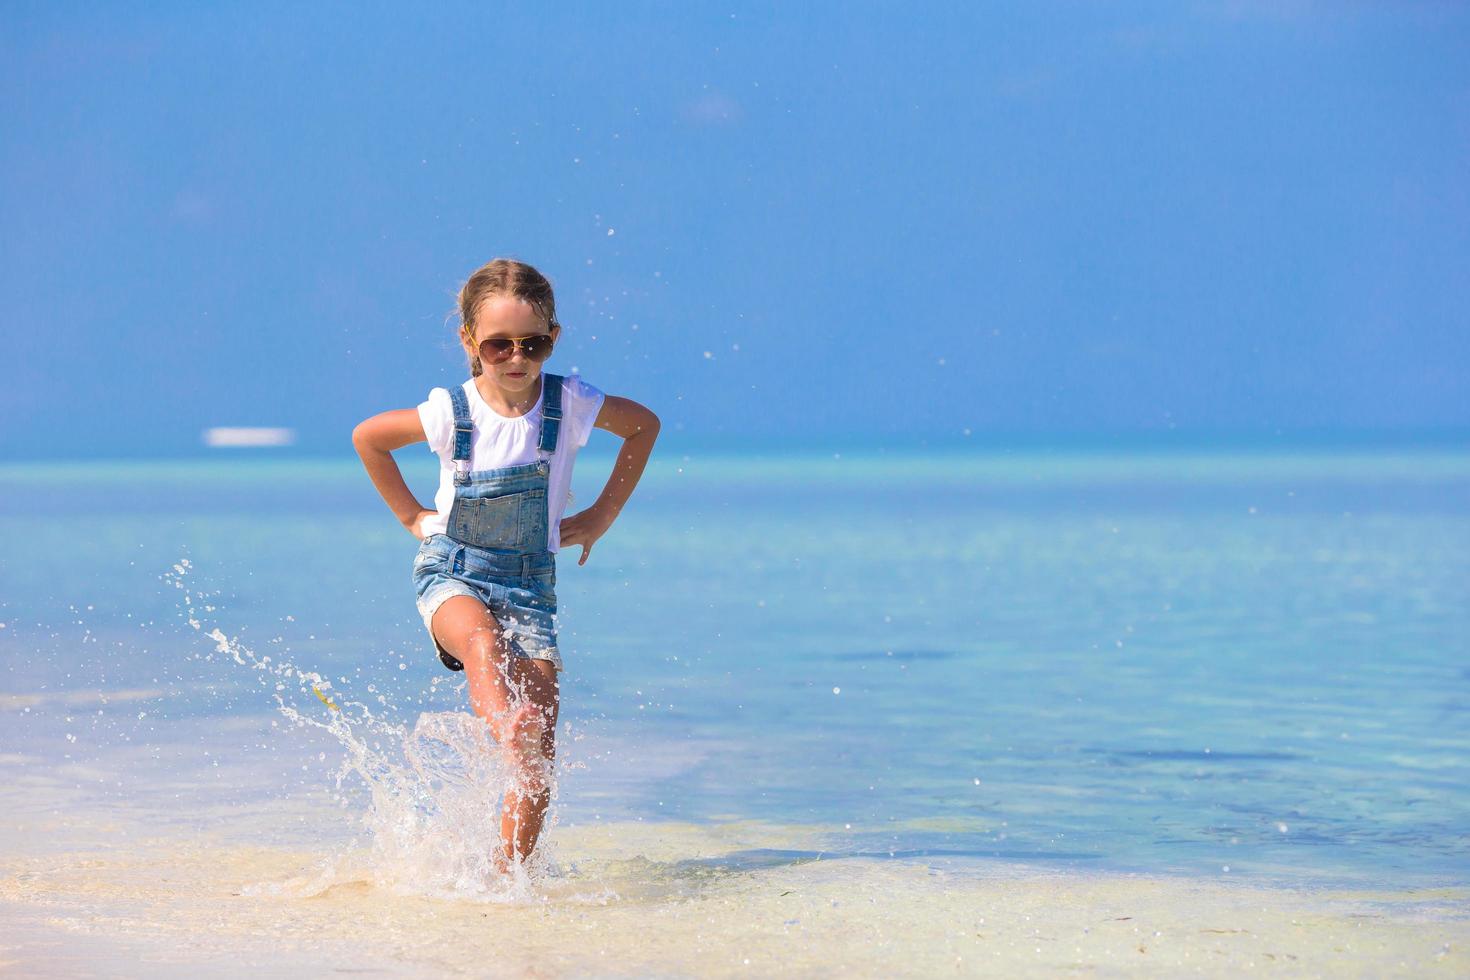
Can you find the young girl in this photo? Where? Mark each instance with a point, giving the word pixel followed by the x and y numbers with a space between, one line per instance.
pixel 485 573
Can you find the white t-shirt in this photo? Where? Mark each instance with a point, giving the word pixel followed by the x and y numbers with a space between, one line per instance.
pixel 501 441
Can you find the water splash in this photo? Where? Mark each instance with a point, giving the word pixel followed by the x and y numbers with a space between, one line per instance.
pixel 434 790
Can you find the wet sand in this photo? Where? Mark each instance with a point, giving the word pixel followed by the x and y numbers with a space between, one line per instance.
pixel 675 899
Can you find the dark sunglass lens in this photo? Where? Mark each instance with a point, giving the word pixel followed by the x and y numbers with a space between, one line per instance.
pixel 495 349
pixel 537 348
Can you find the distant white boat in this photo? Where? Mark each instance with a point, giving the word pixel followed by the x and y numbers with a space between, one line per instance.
pixel 242 438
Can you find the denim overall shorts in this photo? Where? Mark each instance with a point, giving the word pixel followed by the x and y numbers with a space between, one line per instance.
pixel 496 550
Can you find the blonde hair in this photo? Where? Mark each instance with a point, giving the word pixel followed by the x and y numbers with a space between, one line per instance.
pixel 504 277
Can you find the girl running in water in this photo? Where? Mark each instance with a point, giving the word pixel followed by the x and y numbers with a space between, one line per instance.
pixel 485 573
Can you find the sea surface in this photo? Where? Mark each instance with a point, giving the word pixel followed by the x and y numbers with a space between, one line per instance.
pixel 823 711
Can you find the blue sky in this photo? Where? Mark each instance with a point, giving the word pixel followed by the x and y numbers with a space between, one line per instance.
pixel 777 224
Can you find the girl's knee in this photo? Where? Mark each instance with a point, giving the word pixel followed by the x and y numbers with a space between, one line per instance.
pixel 484 645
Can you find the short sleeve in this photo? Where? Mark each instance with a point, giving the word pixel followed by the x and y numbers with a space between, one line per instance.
pixel 584 402
pixel 437 417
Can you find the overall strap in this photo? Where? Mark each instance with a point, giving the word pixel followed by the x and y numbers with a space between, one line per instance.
pixel 464 430
pixel 550 412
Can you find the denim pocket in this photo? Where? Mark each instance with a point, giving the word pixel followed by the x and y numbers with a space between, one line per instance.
pixel 428 556
pixel 487 522
pixel 543 584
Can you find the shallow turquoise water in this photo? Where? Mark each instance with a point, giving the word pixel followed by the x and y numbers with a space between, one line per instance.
pixel 1162 662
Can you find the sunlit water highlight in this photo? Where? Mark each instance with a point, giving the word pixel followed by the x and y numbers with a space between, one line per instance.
pixel 931 682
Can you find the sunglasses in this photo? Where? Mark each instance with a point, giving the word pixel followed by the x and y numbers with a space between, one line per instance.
pixel 493 350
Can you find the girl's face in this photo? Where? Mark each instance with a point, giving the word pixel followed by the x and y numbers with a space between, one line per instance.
pixel 508 318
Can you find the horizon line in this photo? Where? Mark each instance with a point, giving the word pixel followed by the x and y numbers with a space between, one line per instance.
pixel 984 444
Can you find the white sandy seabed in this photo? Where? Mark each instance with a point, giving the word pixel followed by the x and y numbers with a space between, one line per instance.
pixel 676 899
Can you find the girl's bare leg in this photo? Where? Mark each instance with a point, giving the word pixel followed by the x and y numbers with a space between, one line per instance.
pixel 518 699
pixel 525 806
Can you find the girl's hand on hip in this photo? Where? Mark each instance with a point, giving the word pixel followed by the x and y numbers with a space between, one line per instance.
pixel 416 526
pixel 584 528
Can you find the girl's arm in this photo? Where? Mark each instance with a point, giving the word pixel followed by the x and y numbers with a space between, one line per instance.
pixel 375 439
pixel 639 428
